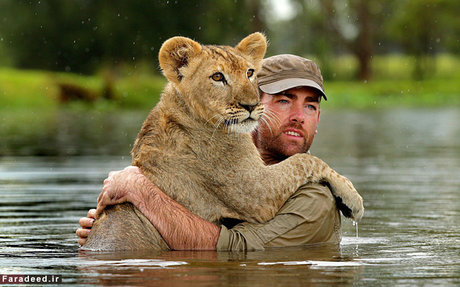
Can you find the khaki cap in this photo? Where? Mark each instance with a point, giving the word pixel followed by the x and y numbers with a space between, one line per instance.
pixel 283 72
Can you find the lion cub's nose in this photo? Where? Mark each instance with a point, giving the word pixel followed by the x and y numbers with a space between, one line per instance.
pixel 248 107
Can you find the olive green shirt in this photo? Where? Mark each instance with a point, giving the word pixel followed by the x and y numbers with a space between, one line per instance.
pixel 309 216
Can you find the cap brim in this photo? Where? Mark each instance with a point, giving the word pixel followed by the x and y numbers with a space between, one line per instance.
pixel 286 84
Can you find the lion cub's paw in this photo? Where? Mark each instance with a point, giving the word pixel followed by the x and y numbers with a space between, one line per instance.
pixel 348 199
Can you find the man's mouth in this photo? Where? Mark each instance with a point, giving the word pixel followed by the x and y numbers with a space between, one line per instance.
pixel 293 133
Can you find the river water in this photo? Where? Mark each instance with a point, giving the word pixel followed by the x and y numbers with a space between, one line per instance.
pixel 404 162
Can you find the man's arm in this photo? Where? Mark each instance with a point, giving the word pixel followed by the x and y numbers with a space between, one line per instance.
pixel 309 216
pixel 181 229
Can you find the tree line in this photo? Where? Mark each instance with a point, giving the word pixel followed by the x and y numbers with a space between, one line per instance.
pixel 83 35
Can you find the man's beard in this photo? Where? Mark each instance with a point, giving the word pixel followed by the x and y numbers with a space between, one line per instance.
pixel 283 149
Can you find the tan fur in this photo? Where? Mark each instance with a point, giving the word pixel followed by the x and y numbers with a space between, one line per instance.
pixel 195 146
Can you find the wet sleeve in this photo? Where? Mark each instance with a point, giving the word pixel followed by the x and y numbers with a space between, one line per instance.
pixel 309 216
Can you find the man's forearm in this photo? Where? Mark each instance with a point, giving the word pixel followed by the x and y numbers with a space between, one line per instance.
pixel 181 229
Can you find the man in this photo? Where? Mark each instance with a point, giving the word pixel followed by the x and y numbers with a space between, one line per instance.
pixel 291 90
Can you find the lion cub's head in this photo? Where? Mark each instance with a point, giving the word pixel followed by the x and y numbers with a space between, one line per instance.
pixel 218 83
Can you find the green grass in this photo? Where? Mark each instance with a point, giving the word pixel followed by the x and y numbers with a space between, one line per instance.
pixel 21 89
pixel 392 67
pixel 40 90
pixel 391 93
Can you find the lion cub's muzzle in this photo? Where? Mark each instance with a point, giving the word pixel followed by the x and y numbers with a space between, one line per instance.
pixel 248 107
pixel 243 117
pixel 252 111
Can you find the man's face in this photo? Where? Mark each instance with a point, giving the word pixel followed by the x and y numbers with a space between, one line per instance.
pixel 290 123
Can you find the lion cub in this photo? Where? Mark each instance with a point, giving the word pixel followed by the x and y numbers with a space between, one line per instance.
pixel 195 146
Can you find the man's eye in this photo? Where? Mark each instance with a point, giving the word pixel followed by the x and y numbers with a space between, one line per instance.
pixel 283 101
pixel 250 72
pixel 218 77
pixel 311 107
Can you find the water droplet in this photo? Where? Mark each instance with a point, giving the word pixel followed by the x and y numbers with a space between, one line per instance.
pixel 355 224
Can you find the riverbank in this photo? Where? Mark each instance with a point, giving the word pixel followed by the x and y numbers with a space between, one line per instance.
pixel 21 89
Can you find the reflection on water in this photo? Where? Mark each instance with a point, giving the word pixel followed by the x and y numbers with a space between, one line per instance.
pixel 404 162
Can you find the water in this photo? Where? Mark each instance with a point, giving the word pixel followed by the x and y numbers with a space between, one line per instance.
pixel 405 163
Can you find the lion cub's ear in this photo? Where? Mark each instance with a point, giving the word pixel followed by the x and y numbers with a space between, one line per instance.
pixel 254 47
pixel 176 53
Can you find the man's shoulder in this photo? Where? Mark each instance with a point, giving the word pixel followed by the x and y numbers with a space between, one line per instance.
pixel 311 196
pixel 314 189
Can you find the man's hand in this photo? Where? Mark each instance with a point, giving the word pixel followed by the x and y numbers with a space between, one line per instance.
pixel 122 186
pixel 181 229
pixel 85 223
pixel 119 186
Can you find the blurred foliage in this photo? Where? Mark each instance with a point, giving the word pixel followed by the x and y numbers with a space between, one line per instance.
pixel 39 90
pixel 93 36
pixel 80 36
pixel 424 28
pixel 367 28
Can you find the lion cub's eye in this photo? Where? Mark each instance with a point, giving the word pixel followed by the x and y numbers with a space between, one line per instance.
pixel 218 77
pixel 250 72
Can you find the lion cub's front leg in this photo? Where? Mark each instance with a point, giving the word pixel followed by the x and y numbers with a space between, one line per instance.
pixel 316 170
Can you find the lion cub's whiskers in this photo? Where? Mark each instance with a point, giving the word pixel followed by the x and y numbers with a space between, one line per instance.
pixel 272 116
pixel 269 117
pixel 214 116
pixel 268 125
pixel 216 127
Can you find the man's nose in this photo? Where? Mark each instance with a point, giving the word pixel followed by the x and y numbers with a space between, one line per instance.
pixel 297 114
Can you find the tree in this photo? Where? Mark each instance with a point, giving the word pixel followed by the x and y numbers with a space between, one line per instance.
pixel 330 27
pixel 420 27
pixel 81 35
pixel 355 24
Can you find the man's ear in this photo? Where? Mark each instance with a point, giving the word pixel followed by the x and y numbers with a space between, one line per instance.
pixel 254 47
pixel 176 53
pixel 317 122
